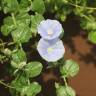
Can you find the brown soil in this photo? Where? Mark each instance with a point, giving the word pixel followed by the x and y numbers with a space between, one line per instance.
pixel 82 51
pixel 84 82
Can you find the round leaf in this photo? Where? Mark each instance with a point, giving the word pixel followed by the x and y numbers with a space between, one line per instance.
pixel 31 90
pixel 65 91
pixel 11 6
pixel 38 6
pixel 22 34
pixel 19 56
pixel 18 83
pixel 18 59
pixel 8 26
pixel 33 69
pixel 70 68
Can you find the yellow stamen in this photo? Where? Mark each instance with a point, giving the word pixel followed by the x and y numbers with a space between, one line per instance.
pixel 49 49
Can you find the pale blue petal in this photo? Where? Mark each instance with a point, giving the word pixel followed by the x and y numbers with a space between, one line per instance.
pixel 58 50
pixel 48 24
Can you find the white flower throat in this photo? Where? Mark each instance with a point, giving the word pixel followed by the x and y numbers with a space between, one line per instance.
pixel 50 32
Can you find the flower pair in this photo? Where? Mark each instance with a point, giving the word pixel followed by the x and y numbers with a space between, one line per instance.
pixel 50 47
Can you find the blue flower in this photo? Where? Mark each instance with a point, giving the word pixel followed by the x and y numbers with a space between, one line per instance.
pixel 50 29
pixel 51 51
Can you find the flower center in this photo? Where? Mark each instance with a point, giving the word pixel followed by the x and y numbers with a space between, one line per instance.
pixel 49 32
pixel 49 49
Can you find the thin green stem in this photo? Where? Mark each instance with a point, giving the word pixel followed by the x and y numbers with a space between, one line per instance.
pixel 11 43
pixel 86 17
pixel 1 82
pixel 6 43
pixel 16 71
pixel 20 45
pixel 75 5
pixel 65 81
pixel 28 82
pixel 1 43
pixel 13 17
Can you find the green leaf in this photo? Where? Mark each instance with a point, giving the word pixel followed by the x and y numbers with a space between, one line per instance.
pixel 8 26
pixel 64 90
pixel 10 6
pixel 19 56
pixel 23 5
pixel 7 52
pixel 22 34
pixel 79 11
pixel 23 18
pixel 18 83
pixel 31 90
pixel 23 22
pixel 88 23
pixel 63 17
pixel 35 20
pixel 92 37
pixel 18 65
pixel 38 6
pixel 91 26
pixel 69 68
pixel 33 69
pixel 18 59
pixel 6 30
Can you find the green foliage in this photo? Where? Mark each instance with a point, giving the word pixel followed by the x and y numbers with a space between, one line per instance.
pixel 31 90
pixel 22 34
pixel 88 23
pixel 8 26
pixel 23 18
pixel 33 69
pixel 84 9
pixel 20 86
pixel 24 6
pixel 92 37
pixel 19 82
pixel 38 6
pixel 10 6
pixel 35 20
pixel 64 90
pixel 69 68
pixel 59 7
pixel 7 52
pixel 18 58
pixel 20 26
